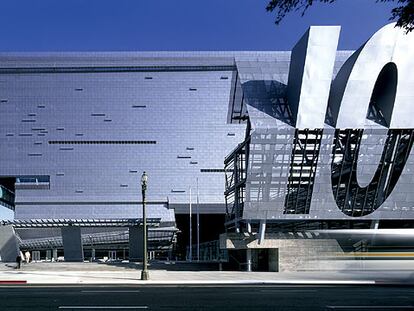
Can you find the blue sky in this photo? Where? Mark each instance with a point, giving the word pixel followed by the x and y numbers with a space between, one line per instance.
pixel 103 25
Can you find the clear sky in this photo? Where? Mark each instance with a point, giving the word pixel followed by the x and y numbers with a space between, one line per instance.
pixel 118 25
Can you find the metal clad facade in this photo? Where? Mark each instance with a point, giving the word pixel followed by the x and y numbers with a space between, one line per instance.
pixel 93 131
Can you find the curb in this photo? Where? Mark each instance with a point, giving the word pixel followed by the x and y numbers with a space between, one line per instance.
pixel 202 283
pixel 7 282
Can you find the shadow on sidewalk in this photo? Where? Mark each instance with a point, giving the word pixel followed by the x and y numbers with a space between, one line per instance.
pixel 166 265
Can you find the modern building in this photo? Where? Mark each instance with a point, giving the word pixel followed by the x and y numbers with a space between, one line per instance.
pixel 328 146
pixel 78 130
pixel 301 134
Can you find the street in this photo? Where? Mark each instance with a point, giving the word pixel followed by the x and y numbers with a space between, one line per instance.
pixel 235 297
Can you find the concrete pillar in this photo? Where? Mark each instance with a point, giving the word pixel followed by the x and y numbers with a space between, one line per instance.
pixel 35 256
pixel 72 244
pixel 48 255
pixel 93 254
pixel 262 230
pixel 135 243
pixel 54 254
pixel 170 254
pixel 249 260
pixel 249 226
pixel 9 247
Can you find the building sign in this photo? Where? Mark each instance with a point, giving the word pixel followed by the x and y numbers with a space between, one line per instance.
pixel 343 150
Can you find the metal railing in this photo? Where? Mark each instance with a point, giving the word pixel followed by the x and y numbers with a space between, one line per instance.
pixel 209 252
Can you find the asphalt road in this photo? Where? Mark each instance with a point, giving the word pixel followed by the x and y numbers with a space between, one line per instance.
pixel 291 297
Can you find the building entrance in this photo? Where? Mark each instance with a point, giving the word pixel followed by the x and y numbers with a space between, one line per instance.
pixel 112 255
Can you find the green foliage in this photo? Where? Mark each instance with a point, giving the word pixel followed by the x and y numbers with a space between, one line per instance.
pixel 403 12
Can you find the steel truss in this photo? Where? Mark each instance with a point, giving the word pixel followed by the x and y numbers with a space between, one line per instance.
pixel 235 166
pixel 303 163
pixel 358 201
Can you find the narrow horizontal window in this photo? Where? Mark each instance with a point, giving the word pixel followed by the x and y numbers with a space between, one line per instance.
pixel 231 134
pixel 183 157
pixel 79 89
pixel 38 143
pixel 28 120
pixel 41 106
pixel 123 185
pixel 189 148
pixel 60 174
pixel 192 89
pixel 177 191
pixel 79 191
pixel 38 129
pixel 224 78
pixel 25 134
pixel 66 148
pixel 148 78
pixel 139 106
pixel 193 162
pixel 60 129
pixel 101 142
pixel 133 171
pixel 107 120
pixel 213 170
pixel 9 134
pixel 34 154
pixel 78 134
pixel 31 114
pixel 4 100
pixel 98 114
pixel 91 69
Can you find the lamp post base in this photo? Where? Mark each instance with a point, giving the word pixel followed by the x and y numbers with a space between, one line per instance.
pixel 144 275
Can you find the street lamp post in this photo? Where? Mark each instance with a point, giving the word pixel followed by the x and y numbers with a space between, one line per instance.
pixel 144 272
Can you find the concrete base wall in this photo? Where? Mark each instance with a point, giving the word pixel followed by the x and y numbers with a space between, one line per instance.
pixel 305 255
pixel 9 248
pixel 274 260
pixel 287 252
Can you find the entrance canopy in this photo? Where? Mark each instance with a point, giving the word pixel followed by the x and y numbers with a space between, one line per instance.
pixel 58 223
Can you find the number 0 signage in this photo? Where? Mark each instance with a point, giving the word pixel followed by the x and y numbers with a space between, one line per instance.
pixel 350 137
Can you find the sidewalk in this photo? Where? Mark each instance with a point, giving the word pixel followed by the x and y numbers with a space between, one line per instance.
pixel 129 274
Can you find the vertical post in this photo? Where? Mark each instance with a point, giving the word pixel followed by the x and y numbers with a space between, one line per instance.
pixel 198 226
pixel 375 224
pixel 92 249
pixel 262 230
pixel 54 254
pixel 249 260
pixel 249 226
pixel 190 252
pixel 144 272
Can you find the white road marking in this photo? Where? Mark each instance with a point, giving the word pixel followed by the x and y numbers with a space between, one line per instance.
pixel 287 290
pixel 104 307
pixel 371 307
pixel 110 291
